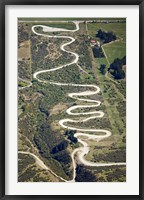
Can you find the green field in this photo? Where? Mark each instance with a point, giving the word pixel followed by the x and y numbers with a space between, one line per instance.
pixel 65 19
pixel 67 25
pixel 115 50
pixel 118 28
pixel 113 93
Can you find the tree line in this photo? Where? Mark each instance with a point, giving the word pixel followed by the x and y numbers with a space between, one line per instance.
pixel 116 68
pixel 106 37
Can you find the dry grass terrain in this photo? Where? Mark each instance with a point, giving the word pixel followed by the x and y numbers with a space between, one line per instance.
pixel 24 50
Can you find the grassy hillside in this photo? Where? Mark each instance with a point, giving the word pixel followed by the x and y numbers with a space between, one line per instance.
pixel 42 105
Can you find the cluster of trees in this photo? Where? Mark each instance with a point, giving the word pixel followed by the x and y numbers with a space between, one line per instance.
pixel 63 157
pixel 45 140
pixel 38 52
pixel 84 175
pixel 24 161
pixel 57 155
pixel 111 174
pixel 70 134
pixel 61 146
pixel 118 155
pixel 116 68
pixel 82 50
pixel 24 69
pixel 26 124
pixel 102 69
pixel 97 52
pixel 47 55
pixel 117 175
pixel 43 108
pixel 29 173
pixel 68 74
pixel 121 107
pixel 99 123
pixel 23 32
pixel 106 37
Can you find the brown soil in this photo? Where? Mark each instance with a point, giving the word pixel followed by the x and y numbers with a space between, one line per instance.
pixel 24 50
pixel 58 108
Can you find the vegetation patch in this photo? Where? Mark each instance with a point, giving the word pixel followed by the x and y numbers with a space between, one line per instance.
pixel 42 105
pixel 116 68
pixel 106 37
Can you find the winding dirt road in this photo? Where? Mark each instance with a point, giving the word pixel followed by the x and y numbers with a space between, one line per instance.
pixel 91 90
pixel 41 163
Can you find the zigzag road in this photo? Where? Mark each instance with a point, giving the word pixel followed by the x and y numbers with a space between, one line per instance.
pixel 91 90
